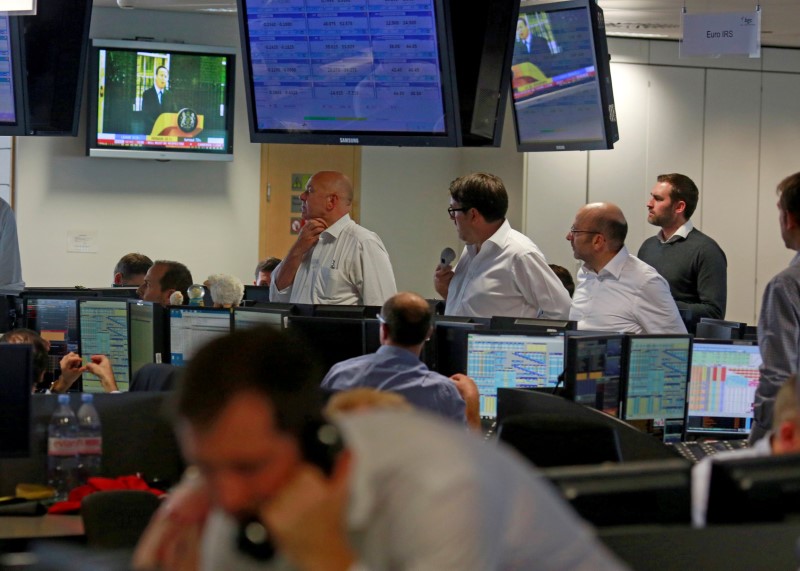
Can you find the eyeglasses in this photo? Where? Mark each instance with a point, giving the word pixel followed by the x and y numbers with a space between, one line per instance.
pixel 452 211
pixel 381 318
pixel 574 230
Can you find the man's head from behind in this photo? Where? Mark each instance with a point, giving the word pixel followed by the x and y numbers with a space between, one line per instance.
pixel 598 233
pixel 673 200
pixel 264 271
pixel 244 404
pixel 131 269
pixel 162 279
pixel 328 196
pixel 405 321
pixel 789 208
pixel 786 422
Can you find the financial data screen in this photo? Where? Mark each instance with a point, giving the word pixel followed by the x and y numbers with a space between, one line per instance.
pixel 104 331
pixel 56 320
pixel 722 387
pixel 345 65
pixel 249 319
pixel 658 372
pixel 191 328
pixel 517 361
pixel 597 371
pixel 142 338
pixel 7 111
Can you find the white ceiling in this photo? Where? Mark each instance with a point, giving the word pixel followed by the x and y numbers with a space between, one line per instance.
pixel 780 19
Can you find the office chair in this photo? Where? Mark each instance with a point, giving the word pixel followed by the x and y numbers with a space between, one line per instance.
pixel 549 440
pixel 155 377
pixel 117 518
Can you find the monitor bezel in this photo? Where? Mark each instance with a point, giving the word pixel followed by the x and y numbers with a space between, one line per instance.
pixel 18 127
pixel 93 150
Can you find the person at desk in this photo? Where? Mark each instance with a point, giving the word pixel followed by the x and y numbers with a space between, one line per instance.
pixel 163 279
pixel 71 364
pixel 405 325
pixel 264 271
pixel 694 266
pixel 157 99
pixel 501 271
pixel 334 260
pixel 616 291
pixel 779 321
pixel 10 265
pixel 131 270
pixel 784 439
pixel 379 489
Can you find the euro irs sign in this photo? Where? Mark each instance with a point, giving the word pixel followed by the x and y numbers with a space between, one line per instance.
pixel 727 33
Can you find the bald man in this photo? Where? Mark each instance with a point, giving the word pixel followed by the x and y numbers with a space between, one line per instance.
pixel 334 260
pixel 616 291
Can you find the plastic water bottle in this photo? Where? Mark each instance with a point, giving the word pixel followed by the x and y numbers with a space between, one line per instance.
pixel 90 452
pixel 62 449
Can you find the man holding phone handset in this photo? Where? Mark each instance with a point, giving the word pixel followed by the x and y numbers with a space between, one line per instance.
pixel 381 489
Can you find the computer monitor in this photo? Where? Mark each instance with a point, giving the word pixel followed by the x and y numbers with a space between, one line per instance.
pixel 447 348
pixel 103 328
pixel 56 320
pixel 508 359
pixel 593 371
pixel 147 334
pixel 330 339
pixel 360 311
pixel 722 386
pixel 248 317
pixel 16 383
pixel 502 323
pixel 765 488
pixel 714 326
pixel 656 377
pixel 192 327
pixel 122 292
pixel 259 294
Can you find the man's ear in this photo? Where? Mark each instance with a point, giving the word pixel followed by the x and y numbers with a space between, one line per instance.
pixel 680 207
pixel 118 278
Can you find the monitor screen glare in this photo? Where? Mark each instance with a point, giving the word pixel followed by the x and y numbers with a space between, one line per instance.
pixel 517 361
pixel 190 329
pixel 658 371
pixel 56 320
pixel 598 368
pixel 104 331
pixel 347 66
pixel 722 387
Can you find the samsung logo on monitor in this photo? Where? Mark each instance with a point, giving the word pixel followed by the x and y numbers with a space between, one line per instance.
pixel 351 140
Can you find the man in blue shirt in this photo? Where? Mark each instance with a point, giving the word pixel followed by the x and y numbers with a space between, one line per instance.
pixel 405 325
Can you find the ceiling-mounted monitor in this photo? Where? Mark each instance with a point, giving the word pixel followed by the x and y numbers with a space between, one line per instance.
pixel 160 101
pixel 561 80
pixel 12 111
pixel 349 72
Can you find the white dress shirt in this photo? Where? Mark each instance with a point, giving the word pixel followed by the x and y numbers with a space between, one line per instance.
pixel 10 265
pixel 509 276
pixel 627 296
pixel 348 266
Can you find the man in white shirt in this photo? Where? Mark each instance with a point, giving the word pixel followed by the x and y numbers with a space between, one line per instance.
pixel 501 271
pixel 334 260
pixel 616 291
pixel 10 265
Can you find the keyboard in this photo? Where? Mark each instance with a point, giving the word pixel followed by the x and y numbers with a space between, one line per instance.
pixel 697 450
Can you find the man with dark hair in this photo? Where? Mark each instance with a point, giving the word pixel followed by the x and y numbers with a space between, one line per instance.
pixel 616 291
pixel 131 269
pixel 501 271
pixel 405 325
pixel 163 279
pixel 692 263
pixel 264 271
pixel 380 489
pixel 779 322
pixel 157 99
pixel 334 260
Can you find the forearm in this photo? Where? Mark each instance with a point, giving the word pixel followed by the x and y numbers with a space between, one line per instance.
pixel 283 276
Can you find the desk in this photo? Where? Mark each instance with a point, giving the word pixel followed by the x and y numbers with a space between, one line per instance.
pixel 40 527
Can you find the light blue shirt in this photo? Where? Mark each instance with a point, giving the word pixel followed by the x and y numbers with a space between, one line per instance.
pixel 398 370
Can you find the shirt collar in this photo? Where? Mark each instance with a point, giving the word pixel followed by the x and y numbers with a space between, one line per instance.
pixel 498 238
pixel 398 353
pixel 612 268
pixel 337 227
pixel 680 234
pixel 796 260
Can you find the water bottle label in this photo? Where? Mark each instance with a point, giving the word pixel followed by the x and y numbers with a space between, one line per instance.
pixel 92 445
pixel 63 446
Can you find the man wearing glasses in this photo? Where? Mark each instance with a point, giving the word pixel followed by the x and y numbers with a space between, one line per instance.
pixel 616 291
pixel 501 271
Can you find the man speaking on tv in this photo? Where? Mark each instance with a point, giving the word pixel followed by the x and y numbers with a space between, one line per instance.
pixel 157 99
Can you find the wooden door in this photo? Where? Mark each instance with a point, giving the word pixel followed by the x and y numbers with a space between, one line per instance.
pixel 285 166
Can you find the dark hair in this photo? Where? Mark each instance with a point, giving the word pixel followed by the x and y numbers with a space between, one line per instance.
pixel 683 188
pixel 483 192
pixel 789 190
pixel 407 322
pixel 40 352
pixel 133 264
pixel 614 230
pixel 267 265
pixel 177 277
pixel 563 274
pixel 271 363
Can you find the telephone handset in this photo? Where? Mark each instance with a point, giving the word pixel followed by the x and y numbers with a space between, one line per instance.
pixel 320 443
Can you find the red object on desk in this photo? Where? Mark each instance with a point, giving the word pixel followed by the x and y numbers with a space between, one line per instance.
pixel 73 503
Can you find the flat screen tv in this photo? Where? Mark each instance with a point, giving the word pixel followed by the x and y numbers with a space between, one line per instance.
pixel 160 101
pixel 561 80
pixel 12 111
pixel 349 73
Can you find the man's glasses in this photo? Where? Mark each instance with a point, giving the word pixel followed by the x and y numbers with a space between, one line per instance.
pixel 452 211
pixel 574 230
